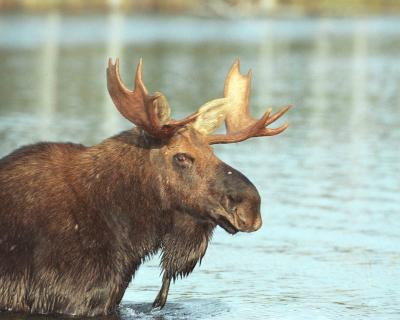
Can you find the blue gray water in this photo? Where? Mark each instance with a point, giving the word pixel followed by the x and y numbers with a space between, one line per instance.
pixel 330 244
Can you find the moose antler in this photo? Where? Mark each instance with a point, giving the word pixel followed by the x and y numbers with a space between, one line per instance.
pixel 240 125
pixel 150 112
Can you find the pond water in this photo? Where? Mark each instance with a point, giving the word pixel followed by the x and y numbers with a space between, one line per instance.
pixel 329 247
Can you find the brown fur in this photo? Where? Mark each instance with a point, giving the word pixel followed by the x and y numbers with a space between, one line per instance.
pixel 76 222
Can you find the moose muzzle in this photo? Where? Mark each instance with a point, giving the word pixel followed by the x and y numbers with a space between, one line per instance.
pixel 241 202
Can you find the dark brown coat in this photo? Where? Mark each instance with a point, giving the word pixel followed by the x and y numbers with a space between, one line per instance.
pixel 77 222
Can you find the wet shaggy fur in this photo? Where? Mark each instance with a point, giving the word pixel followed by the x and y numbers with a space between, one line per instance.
pixel 76 222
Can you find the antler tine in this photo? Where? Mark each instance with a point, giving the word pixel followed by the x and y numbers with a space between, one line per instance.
pixel 272 131
pixel 138 106
pixel 279 114
pixel 240 125
pixel 131 104
pixel 138 79
pixel 237 90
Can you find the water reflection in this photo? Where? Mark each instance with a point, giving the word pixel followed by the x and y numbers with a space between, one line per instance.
pixel 173 311
pixel 21 316
pixel 329 244
pixel 115 22
pixel 48 73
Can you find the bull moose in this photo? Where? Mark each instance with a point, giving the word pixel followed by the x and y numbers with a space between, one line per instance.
pixel 76 222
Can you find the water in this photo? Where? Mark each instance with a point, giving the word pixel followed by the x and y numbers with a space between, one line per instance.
pixel 329 247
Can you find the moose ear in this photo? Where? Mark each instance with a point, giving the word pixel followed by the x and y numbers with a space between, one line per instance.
pixel 210 116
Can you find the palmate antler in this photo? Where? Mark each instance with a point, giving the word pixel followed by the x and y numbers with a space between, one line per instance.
pixel 150 112
pixel 240 125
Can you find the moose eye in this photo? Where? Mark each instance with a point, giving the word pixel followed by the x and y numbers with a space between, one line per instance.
pixel 183 160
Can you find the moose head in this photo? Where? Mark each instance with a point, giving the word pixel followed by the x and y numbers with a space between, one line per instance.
pixel 191 179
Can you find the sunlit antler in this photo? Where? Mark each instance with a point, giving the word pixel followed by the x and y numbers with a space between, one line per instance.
pixel 240 125
pixel 139 107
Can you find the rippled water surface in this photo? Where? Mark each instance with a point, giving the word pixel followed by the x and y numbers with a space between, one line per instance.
pixel 330 244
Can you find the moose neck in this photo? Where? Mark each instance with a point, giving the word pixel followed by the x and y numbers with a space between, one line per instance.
pixel 119 184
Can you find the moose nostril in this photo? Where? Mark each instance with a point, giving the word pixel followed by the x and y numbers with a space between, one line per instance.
pixel 235 198
pixel 244 224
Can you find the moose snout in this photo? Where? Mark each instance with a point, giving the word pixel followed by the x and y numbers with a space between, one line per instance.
pixel 248 221
pixel 240 199
pixel 244 208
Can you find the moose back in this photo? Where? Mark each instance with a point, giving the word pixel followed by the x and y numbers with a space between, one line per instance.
pixel 76 222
